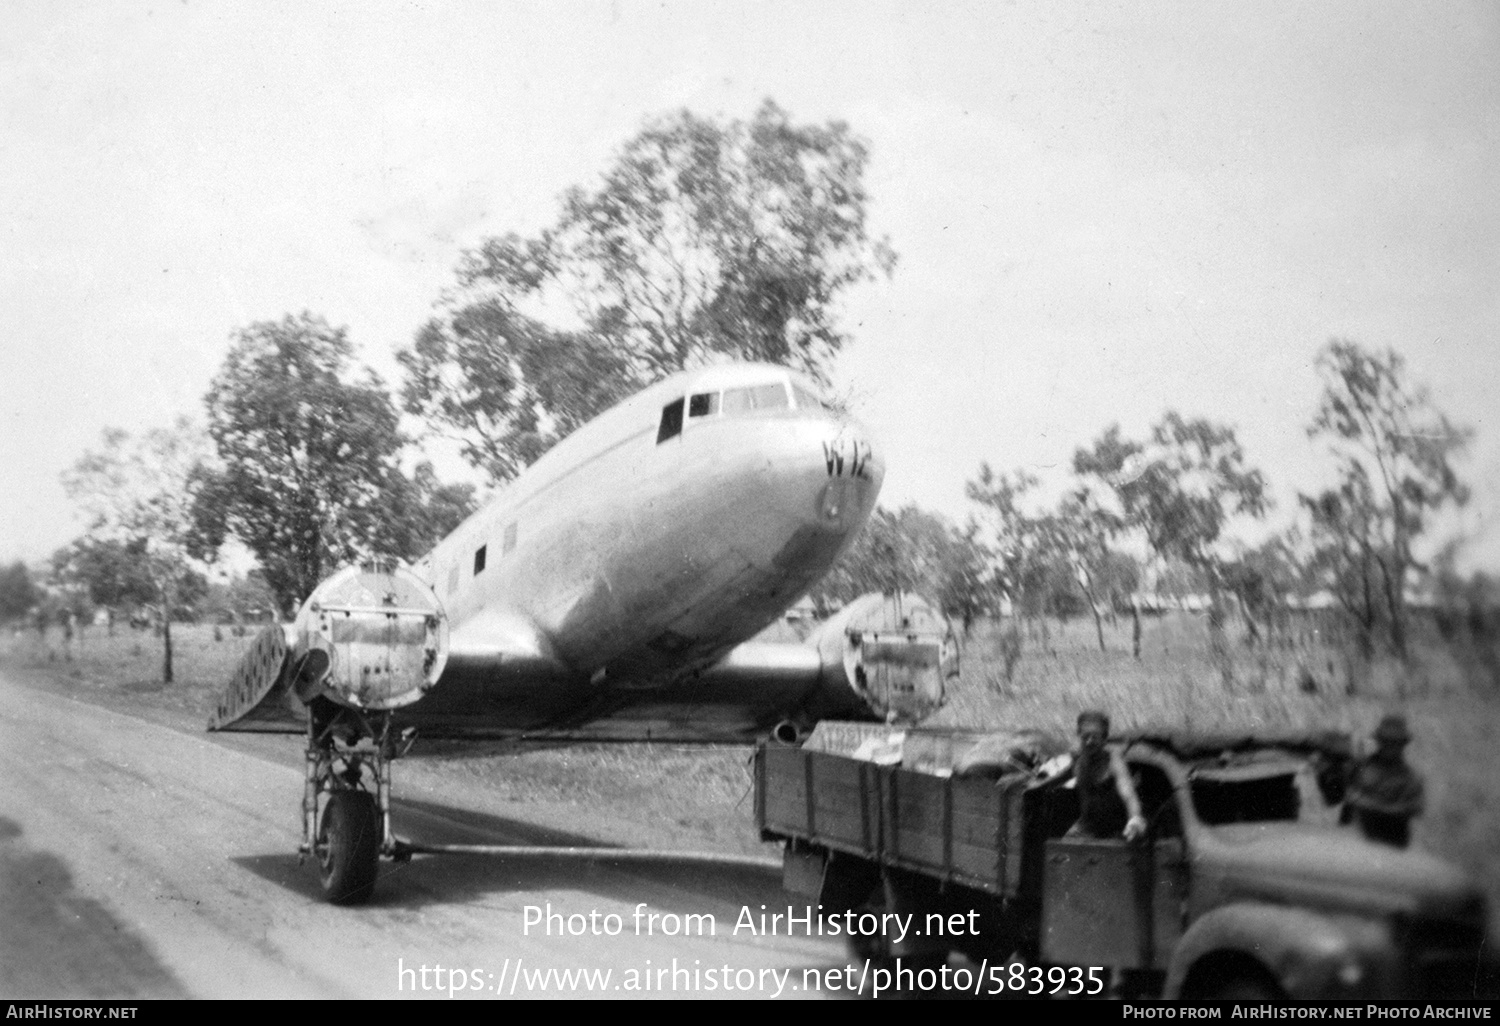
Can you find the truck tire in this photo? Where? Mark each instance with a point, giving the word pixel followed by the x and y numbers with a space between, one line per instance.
pixel 874 948
pixel 879 948
pixel 348 847
pixel 1244 985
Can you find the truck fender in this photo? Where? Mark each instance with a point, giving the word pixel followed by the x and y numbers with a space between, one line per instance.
pixel 1307 954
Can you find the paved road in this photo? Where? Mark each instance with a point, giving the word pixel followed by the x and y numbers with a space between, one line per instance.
pixel 139 860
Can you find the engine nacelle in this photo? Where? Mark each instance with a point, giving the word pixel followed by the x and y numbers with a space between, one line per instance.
pixel 897 651
pixel 372 636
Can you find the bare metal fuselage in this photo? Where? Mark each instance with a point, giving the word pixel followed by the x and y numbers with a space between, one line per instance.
pixel 609 592
pixel 604 591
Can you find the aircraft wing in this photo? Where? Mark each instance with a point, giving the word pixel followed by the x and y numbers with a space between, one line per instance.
pixel 502 680
pixel 499 686
pixel 738 698
pixel 268 694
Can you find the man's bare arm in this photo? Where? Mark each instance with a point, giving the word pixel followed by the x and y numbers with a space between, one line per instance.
pixel 1135 826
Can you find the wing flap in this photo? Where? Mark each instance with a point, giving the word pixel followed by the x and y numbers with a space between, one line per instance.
pixel 259 697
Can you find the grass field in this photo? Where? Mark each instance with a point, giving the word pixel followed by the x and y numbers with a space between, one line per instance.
pixel 699 797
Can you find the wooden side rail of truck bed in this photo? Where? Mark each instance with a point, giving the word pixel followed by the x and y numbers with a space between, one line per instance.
pixel 964 830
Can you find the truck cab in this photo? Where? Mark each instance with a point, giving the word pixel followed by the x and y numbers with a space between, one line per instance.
pixel 1245 886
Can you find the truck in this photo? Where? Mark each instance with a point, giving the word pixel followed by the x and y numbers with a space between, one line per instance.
pixel 1244 886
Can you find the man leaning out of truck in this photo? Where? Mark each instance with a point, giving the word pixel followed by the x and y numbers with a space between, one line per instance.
pixel 1107 803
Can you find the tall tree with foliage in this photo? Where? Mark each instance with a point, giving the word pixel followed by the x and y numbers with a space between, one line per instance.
pixel 1395 452
pixel 1084 532
pixel 702 239
pixel 138 494
pixel 1181 487
pixel 17 592
pixel 422 511
pixel 1058 561
pixel 1350 553
pixel 114 573
pixel 308 456
pixel 964 576
pixel 1023 544
pixel 909 550
pixel 1260 579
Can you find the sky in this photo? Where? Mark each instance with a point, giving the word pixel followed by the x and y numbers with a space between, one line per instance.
pixel 1101 211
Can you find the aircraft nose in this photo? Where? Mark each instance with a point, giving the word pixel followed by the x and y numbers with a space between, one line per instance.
pixel 853 471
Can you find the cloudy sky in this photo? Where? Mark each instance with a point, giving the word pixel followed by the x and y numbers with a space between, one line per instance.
pixel 1102 211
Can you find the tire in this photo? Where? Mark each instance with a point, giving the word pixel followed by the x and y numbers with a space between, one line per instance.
pixel 1243 987
pixel 878 950
pixel 349 847
pixel 874 949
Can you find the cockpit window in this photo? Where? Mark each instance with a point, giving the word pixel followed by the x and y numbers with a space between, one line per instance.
pixel 704 404
pixel 755 397
pixel 671 421
pixel 805 399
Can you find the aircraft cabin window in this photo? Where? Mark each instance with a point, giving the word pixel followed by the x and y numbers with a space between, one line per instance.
pixel 755 397
pixel 805 399
pixel 704 404
pixel 671 421
pixel 510 536
pixel 479 559
pixel 453 579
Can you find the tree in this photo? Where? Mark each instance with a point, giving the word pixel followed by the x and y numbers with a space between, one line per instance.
pixel 17 592
pixel 423 511
pixel 1180 488
pixel 875 562
pixel 1260 579
pixel 703 239
pixel 910 550
pixel 308 454
pixel 1468 615
pixel 963 589
pixel 1024 544
pixel 1395 453
pixel 139 496
pixel 239 600
pixel 1056 562
pixel 113 573
pixel 1084 531
pixel 1348 553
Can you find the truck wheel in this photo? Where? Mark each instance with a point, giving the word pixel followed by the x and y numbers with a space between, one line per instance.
pixel 877 948
pixel 1243 986
pixel 349 847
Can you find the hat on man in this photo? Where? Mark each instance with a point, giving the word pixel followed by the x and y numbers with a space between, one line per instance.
pixel 1098 716
pixel 1393 729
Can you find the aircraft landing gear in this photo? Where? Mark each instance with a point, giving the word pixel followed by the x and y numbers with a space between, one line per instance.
pixel 346 798
pixel 348 846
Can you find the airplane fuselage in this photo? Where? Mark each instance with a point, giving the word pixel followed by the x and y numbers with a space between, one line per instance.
pixel 610 592
pixel 643 548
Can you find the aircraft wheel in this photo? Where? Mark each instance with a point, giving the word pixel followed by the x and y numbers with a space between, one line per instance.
pixel 349 847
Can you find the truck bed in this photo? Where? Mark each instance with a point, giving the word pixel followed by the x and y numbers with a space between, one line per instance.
pixel 963 830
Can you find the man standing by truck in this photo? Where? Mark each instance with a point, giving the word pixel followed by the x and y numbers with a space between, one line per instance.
pixel 1107 802
pixel 1384 792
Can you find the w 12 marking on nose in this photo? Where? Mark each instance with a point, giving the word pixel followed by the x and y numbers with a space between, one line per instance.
pixel 858 460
